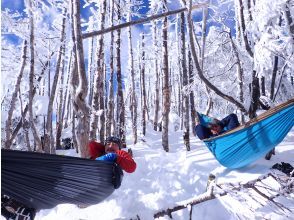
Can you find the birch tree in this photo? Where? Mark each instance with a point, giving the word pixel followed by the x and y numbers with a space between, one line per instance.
pixel 133 101
pixel 110 104
pixel 165 85
pixel 144 98
pixel 14 97
pixel 31 78
pixel 186 135
pixel 47 135
pixel 79 97
pixel 98 92
pixel 120 106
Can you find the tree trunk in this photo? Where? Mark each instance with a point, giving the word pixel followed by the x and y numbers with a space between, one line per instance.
pixel 61 105
pixel 133 89
pixel 120 96
pixel 80 106
pixel 144 109
pixel 274 76
pixel 47 135
pixel 192 105
pixel 31 79
pixel 165 86
pixel 240 75
pixel 98 93
pixel 255 94
pixel 90 70
pixel 186 134
pixel 14 97
pixel 243 28
pixel 110 104
pixel 289 19
pixel 156 99
pixel 25 123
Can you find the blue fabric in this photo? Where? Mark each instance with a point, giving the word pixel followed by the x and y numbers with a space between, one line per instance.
pixel 244 146
pixel 108 157
pixel 204 119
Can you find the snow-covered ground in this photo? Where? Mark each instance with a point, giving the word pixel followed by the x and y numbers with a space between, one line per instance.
pixel 164 180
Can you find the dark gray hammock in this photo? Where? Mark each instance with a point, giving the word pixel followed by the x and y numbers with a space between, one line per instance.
pixel 42 181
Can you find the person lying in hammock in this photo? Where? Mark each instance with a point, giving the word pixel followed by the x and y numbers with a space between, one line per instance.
pixel 111 151
pixel 210 127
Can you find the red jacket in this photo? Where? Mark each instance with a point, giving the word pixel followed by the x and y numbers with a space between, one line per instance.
pixel 123 159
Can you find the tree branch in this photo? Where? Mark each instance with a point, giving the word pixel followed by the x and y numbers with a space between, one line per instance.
pixel 139 21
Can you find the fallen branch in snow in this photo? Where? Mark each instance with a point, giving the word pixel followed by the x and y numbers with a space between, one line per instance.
pixel 208 195
pixel 217 190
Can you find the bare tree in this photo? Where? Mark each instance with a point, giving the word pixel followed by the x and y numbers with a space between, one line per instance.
pixel 47 135
pixel 98 93
pixel 186 135
pixel 79 98
pixel 14 96
pixel 199 70
pixel 110 105
pixel 120 107
pixel 61 104
pixel 165 85
pixel 144 106
pixel 31 78
pixel 133 102
pixel 156 99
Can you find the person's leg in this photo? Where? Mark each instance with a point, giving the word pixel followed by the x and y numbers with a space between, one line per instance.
pixel 202 132
pixel 230 122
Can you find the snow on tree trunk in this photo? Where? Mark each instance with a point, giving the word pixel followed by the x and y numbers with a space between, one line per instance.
pixel 98 92
pixel 191 95
pixel 48 133
pixel 90 64
pixel 61 105
pixel 165 86
pixel 156 99
pixel 120 106
pixel 186 134
pixel 144 110
pixel 31 78
pixel 110 104
pixel 240 74
pixel 14 97
pixel 79 98
pixel 133 102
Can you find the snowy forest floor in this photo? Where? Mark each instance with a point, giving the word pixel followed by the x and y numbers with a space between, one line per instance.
pixel 165 180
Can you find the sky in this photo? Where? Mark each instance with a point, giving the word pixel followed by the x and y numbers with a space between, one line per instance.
pixel 164 180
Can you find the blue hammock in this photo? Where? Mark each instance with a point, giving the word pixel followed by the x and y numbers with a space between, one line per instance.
pixel 247 143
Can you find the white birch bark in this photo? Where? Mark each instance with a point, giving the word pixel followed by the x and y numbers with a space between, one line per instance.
pixel 14 97
pixel 81 108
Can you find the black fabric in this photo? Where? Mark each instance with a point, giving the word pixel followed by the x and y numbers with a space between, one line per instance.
pixel 117 176
pixel 284 167
pixel 42 181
